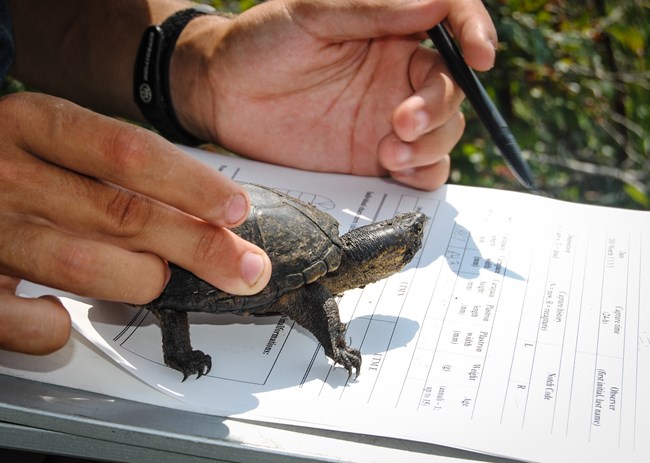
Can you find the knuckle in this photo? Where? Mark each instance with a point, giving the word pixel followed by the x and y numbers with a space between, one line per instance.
pixel 210 245
pixel 126 149
pixel 128 213
pixel 74 265
pixel 15 108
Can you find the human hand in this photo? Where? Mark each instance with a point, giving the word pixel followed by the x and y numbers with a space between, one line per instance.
pixel 333 85
pixel 97 207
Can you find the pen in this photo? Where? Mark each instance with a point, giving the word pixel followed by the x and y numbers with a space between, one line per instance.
pixel 485 109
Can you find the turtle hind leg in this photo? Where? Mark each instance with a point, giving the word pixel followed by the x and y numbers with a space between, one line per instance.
pixel 314 308
pixel 177 348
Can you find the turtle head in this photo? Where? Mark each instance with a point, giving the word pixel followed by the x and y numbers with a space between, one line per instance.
pixel 376 251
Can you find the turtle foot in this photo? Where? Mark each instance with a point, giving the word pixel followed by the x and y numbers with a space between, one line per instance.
pixel 193 363
pixel 349 358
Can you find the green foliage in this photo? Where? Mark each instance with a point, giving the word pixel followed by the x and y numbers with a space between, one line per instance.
pixel 572 79
pixel 233 6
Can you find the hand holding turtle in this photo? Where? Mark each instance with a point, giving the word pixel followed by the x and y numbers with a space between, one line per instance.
pixel 331 85
pixel 93 206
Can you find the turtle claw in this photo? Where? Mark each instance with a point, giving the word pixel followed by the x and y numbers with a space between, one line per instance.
pixel 193 363
pixel 350 359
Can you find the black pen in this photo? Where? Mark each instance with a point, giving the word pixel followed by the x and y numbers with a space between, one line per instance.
pixel 485 109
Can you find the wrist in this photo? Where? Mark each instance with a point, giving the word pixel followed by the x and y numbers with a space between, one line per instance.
pixel 191 74
pixel 152 73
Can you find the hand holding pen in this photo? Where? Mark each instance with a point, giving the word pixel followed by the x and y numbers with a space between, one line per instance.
pixel 485 109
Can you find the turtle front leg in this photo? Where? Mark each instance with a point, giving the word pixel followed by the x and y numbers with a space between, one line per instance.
pixel 177 348
pixel 314 308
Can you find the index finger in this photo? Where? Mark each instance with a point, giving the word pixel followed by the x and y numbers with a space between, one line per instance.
pixel 129 156
pixel 341 20
pixel 476 34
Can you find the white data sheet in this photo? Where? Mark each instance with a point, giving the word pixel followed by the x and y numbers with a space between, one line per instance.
pixel 521 329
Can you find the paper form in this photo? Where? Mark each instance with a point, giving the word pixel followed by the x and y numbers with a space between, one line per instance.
pixel 521 329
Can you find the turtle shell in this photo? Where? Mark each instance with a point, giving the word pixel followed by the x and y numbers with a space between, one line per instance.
pixel 301 241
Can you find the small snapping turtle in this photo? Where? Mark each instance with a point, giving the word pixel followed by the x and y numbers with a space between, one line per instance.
pixel 311 264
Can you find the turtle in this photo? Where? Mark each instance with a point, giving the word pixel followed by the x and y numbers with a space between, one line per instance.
pixel 311 265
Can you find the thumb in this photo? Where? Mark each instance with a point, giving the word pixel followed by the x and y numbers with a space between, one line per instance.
pixel 33 326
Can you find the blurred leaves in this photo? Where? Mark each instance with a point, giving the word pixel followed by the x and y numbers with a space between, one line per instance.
pixel 233 6
pixel 573 81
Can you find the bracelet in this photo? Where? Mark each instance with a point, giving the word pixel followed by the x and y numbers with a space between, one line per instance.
pixel 151 89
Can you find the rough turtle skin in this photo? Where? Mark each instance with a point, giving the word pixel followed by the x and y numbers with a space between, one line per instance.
pixel 311 265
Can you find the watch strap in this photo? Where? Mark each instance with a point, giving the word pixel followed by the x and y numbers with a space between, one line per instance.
pixel 151 86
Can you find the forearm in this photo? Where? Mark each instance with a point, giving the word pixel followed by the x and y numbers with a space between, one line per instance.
pixel 86 53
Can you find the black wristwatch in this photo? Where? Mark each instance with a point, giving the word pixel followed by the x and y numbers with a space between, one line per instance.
pixel 151 89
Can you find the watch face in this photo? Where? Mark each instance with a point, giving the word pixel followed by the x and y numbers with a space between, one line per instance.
pixel 145 93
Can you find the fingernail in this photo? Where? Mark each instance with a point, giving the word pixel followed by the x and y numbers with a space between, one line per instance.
pixel 236 209
pixel 403 154
pixel 493 46
pixel 404 173
pixel 421 122
pixel 491 41
pixel 252 268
